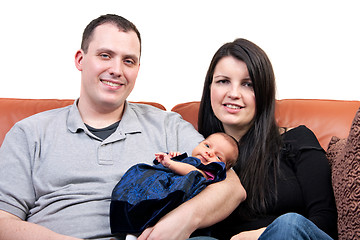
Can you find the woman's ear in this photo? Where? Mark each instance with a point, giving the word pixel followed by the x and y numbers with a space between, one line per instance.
pixel 79 55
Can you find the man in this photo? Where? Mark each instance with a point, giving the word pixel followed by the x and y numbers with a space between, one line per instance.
pixel 61 165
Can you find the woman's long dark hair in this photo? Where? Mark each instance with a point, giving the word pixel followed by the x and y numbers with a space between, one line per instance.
pixel 257 164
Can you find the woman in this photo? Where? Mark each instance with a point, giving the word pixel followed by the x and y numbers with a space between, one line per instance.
pixel 284 171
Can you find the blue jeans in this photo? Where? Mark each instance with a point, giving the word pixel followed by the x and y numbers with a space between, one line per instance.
pixel 202 238
pixel 290 226
pixel 293 226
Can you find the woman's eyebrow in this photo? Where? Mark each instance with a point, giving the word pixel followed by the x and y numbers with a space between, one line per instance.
pixel 221 76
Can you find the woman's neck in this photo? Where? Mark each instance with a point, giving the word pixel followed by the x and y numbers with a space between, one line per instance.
pixel 236 133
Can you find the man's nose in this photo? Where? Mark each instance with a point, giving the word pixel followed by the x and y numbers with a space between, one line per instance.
pixel 116 69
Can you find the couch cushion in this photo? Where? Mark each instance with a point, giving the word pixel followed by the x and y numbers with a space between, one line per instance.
pixel 189 111
pixel 344 157
pixel 15 109
pixel 326 118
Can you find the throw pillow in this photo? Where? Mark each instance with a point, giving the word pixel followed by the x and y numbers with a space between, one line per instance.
pixel 344 158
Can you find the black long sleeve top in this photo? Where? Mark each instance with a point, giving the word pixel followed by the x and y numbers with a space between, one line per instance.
pixel 304 186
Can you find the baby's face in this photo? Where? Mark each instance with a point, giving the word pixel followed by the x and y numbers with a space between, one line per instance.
pixel 215 148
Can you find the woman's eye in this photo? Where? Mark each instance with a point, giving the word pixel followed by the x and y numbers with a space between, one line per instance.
pixel 219 158
pixel 223 81
pixel 206 145
pixel 248 84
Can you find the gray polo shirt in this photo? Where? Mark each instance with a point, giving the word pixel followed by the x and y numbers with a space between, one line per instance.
pixel 55 173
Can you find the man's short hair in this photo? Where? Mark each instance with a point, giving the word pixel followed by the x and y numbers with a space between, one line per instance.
pixel 122 23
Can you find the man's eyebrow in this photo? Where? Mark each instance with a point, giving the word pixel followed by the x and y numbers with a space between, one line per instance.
pixel 111 52
pixel 107 50
pixel 132 56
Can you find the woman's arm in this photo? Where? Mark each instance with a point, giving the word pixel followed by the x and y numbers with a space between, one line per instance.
pixel 210 206
pixel 314 175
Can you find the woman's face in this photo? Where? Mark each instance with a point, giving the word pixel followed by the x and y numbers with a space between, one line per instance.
pixel 232 96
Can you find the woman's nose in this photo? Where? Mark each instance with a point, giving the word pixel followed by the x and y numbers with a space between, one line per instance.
pixel 234 93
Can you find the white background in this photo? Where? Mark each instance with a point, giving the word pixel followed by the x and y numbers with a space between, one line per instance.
pixel 314 45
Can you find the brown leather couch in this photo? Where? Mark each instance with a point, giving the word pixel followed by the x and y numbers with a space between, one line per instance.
pixel 326 118
pixel 15 109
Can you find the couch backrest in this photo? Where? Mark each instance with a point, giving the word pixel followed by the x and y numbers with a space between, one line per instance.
pixel 15 109
pixel 326 118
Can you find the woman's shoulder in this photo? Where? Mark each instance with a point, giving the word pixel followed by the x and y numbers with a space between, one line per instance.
pixel 301 137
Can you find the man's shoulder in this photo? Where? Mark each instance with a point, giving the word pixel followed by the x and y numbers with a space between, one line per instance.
pixel 146 109
pixel 45 116
pixel 152 116
pixel 143 107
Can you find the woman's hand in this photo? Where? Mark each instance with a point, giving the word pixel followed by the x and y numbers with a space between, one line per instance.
pixel 249 235
pixel 170 227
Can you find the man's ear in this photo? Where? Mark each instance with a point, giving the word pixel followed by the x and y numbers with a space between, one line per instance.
pixel 79 55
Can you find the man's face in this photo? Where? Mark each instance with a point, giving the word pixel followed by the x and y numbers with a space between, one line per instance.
pixel 109 68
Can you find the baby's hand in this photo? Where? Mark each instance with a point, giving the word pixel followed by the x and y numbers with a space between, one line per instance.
pixel 174 154
pixel 163 158
pixel 160 156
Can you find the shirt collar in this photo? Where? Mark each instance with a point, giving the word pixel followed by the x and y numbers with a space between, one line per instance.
pixel 74 120
pixel 128 124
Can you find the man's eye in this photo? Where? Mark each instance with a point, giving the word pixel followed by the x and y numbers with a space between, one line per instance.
pixel 219 158
pixel 207 145
pixel 130 62
pixel 104 55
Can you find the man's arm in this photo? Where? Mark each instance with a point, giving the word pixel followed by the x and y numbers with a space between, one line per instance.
pixel 12 152
pixel 13 228
pixel 213 204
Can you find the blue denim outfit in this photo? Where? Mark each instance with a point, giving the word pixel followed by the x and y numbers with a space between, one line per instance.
pixel 290 226
pixel 293 226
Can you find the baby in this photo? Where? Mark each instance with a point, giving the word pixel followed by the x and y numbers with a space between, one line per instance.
pixel 218 147
pixel 146 193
